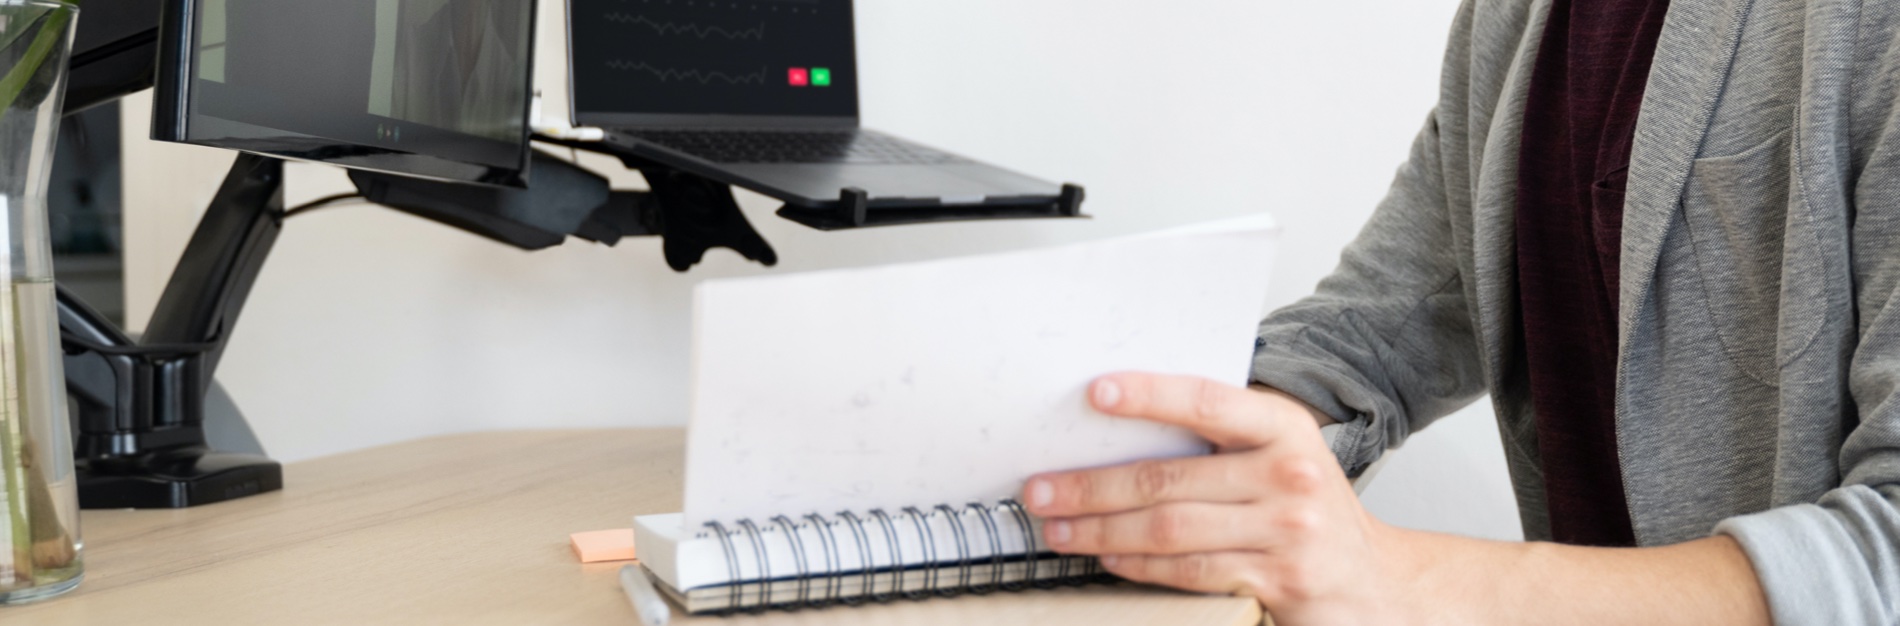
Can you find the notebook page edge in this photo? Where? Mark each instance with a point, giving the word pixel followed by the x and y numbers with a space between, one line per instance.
pixel 708 294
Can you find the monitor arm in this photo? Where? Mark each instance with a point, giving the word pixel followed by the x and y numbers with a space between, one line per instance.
pixel 689 213
pixel 139 405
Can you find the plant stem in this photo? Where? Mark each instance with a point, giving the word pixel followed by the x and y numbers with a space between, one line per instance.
pixel 13 437
pixel 51 544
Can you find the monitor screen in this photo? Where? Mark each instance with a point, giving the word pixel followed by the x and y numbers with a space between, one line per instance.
pixel 431 88
pixel 637 61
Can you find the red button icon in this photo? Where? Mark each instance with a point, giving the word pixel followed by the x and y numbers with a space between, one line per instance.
pixel 799 77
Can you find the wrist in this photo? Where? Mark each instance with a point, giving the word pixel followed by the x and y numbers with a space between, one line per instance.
pixel 1445 579
pixel 1410 568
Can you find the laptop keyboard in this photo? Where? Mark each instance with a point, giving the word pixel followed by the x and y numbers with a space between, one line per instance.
pixel 827 146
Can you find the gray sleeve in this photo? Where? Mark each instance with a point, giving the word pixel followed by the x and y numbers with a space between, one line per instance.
pixel 1386 344
pixel 1826 563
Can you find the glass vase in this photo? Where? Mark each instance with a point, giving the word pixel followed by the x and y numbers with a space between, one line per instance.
pixel 39 515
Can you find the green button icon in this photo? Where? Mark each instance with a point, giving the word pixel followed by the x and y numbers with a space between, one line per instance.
pixel 821 77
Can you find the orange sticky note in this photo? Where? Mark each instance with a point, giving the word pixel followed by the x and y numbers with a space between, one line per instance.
pixel 603 545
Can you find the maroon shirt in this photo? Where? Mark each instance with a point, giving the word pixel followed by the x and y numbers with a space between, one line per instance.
pixel 1586 89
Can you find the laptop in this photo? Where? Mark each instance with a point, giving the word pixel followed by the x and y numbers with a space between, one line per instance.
pixel 761 94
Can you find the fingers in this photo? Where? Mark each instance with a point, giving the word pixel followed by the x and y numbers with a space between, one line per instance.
pixel 1229 416
pixel 1232 478
pixel 1180 528
pixel 1221 478
pixel 1220 572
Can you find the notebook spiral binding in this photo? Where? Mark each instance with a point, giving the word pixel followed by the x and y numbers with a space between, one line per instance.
pixel 819 591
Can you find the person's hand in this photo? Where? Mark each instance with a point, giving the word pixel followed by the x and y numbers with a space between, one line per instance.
pixel 1271 515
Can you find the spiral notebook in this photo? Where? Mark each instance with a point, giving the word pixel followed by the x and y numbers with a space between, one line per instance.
pixel 857 435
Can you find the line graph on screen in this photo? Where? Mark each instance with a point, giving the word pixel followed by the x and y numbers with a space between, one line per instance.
pixel 703 77
pixel 664 27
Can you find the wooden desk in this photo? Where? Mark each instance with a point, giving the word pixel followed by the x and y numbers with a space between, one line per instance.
pixel 470 529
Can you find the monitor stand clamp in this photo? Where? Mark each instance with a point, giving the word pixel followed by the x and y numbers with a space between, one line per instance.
pixel 138 406
pixel 690 213
pixel 693 215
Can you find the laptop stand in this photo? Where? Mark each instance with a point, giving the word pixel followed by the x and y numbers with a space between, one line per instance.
pixel 853 208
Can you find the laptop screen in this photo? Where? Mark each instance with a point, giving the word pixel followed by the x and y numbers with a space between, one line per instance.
pixel 711 61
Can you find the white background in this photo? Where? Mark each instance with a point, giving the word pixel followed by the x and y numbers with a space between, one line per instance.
pixel 370 327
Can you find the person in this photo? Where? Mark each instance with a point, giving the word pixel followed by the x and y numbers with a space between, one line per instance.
pixel 1663 236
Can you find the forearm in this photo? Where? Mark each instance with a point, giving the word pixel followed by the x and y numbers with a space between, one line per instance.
pixel 1469 581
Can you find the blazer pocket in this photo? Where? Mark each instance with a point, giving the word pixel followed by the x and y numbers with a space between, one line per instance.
pixel 1752 247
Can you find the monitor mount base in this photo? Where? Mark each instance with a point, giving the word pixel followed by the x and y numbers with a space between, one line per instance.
pixel 139 406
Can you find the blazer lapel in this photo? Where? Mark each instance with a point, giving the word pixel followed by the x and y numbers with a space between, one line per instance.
pixel 1693 58
pixel 1494 205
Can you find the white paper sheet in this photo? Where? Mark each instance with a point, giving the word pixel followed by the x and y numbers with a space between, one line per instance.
pixel 953 381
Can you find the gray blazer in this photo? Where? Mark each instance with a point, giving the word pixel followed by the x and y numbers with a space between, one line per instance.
pixel 1758 389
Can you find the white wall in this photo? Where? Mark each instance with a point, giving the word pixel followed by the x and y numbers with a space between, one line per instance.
pixel 369 327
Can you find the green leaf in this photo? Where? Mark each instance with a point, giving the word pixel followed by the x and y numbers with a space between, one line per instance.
pixel 7 37
pixel 46 38
pixel 12 35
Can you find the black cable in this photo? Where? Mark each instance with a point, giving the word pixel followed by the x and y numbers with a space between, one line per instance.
pixel 322 202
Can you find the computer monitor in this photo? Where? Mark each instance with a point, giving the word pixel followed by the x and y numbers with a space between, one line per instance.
pixel 429 88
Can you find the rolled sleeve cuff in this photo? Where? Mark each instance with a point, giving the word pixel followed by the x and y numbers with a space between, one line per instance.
pixel 1347 441
pixel 1353 440
pixel 1811 568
